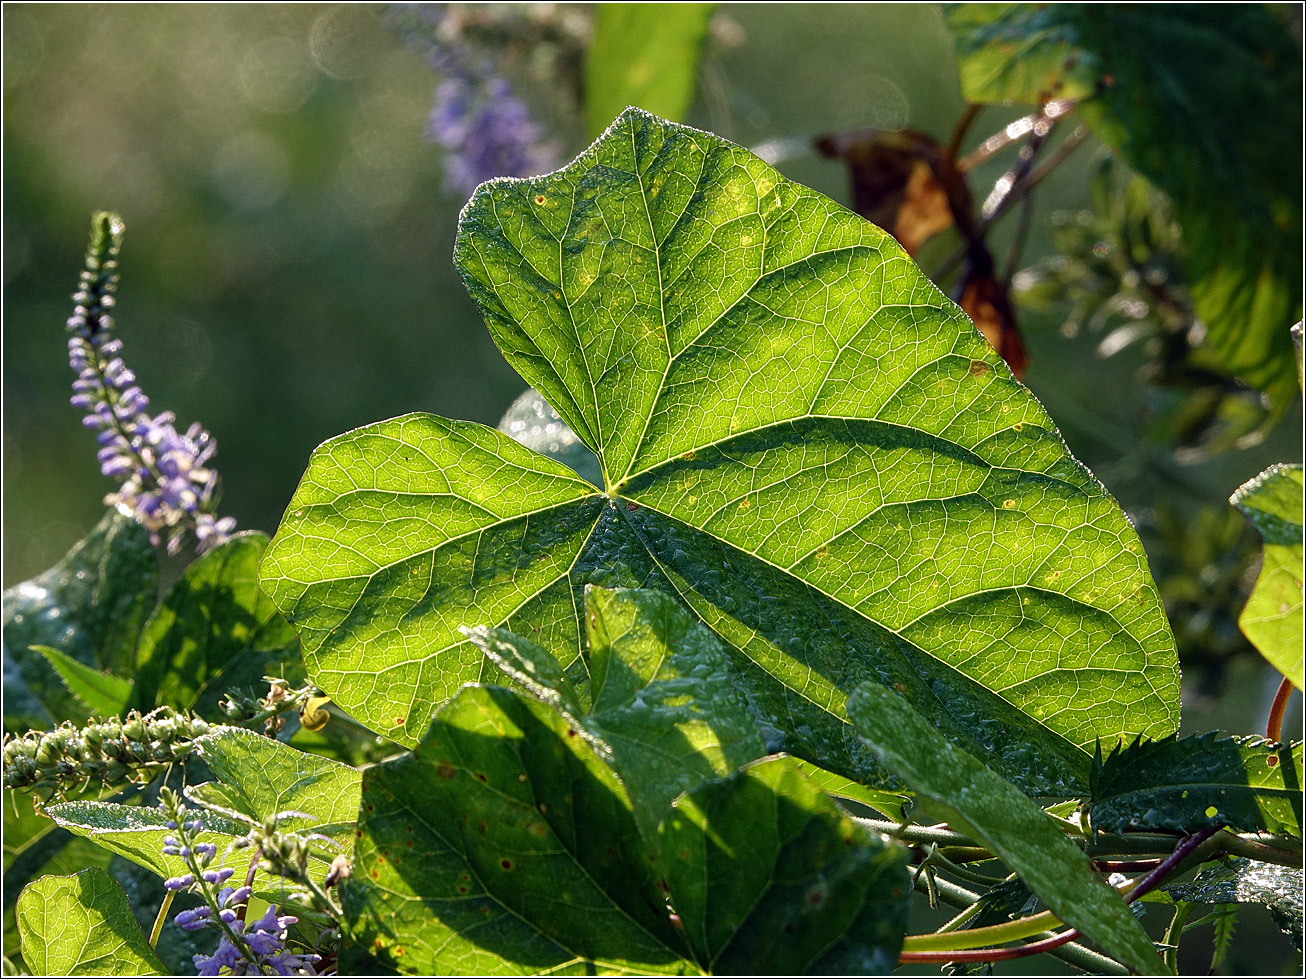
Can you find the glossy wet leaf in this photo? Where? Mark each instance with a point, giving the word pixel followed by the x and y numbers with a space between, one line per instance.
pixel 260 777
pixel 215 625
pixel 771 877
pixel 102 694
pixel 1250 784
pixel 90 606
pixel 1206 102
pixel 1242 881
pixel 663 705
pixel 136 833
pixel 82 925
pixel 799 436
pixel 1272 620
pixel 982 804
pixel 503 844
pixel 644 54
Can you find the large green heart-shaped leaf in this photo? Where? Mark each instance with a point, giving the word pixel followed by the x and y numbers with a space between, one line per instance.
pixel 82 925
pixel 798 435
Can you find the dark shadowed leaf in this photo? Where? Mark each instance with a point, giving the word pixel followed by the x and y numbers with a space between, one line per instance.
pixel 502 844
pixel 90 606
pixel 979 802
pixel 214 629
pixel 1249 784
pixel 771 877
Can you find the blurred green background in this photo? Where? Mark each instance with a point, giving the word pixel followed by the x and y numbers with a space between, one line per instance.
pixel 287 274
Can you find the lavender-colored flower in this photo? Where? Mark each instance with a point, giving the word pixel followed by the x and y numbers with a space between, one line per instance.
pixel 226 956
pixel 244 949
pixel 163 480
pixel 484 129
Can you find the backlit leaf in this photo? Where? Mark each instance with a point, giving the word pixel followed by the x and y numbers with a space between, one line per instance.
pixel 644 54
pixel 1272 620
pixel 82 925
pixel 799 436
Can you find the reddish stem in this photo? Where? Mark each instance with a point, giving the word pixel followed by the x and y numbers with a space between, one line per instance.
pixel 1274 723
pixel 1159 873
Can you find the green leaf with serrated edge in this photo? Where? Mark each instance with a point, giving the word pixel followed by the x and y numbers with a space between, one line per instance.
pixel 137 832
pixel 82 925
pixel 90 606
pixel 1248 784
pixel 800 436
pixel 644 54
pixel 664 708
pixel 532 422
pixel 889 803
pixel 982 804
pixel 261 777
pixel 212 619
pixel 1272 620
pixel 1206 102
pixel 102 693
pixel 504 844
pixel 769 876
pixel 1242 881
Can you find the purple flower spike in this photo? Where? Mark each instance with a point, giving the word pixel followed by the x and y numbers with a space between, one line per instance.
pixel 179 883
pixel 162 479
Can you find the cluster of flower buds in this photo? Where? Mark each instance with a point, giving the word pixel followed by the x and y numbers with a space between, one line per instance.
pixel 257 948
pixel 164 481
pixel 130 749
